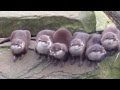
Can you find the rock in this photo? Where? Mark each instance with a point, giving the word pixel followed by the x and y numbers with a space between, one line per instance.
pixel 110 68
pixel 88 20
pixel 102 20
pixel 31 68
pixel 36 21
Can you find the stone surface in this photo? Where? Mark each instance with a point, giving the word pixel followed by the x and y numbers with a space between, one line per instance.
pixel 32 68
pixel 69 14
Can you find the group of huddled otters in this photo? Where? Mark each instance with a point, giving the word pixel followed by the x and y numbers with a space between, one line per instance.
pixel 61 45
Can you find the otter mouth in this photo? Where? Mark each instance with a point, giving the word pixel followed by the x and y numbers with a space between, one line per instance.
pixel 75 49
pixel 98 55
pixel 45 43
pixel 17 49
pixel 42 48
pixel 99 51
pixel 58 54
pixel 42 44
pixel 110 43
pixel 16 46
pixel 79 44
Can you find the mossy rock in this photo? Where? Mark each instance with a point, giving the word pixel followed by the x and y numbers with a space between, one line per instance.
pixel 88 20
pixel 110 68
pixel 37 23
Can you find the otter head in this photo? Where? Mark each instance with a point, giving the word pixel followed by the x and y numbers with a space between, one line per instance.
pixel 110 41
pixel 76 47
pixel 17 46
pixel 43 44
pixel 96 52
pixel 58 50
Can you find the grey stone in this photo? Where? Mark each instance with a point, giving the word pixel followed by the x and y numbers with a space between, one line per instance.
pixel 31 68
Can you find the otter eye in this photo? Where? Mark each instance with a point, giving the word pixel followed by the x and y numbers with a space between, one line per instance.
pixel 94 50
pixel 17 45
pixel 58 49
pixel 107 37
pixel 39 40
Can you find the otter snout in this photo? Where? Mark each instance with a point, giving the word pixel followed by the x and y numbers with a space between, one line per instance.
pixel 16 49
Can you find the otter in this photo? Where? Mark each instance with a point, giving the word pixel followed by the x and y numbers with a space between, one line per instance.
pixel 111 39
pixel 78 46
pixel 44 40
pixel 59 49
pixel 20 40
pixel 95 52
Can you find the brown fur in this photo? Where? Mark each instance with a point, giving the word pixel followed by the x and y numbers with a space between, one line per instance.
pixel 62 35
pixel 61 38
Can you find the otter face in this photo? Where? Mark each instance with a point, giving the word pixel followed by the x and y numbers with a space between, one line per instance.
pixel 96 52
pixel 43 45
pixel 17 46
pixel 76 47
pixel 57 51
pixel 110 41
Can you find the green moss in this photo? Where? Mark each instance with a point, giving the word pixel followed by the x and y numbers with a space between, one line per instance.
pixel 88 20
pixel 7 25
pixel 102 20
pixel 110 68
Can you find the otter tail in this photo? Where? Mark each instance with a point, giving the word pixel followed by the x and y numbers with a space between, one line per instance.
pixel 5 40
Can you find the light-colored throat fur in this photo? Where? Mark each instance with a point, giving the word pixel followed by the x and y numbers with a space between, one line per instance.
pixel 76 50
pixel 58 50
pixel 96 55
pixel 59 54
pixel 17 49
pixel 43 47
